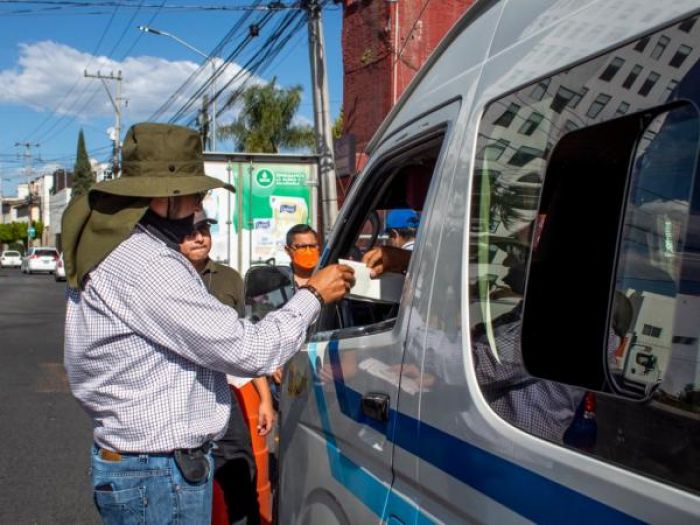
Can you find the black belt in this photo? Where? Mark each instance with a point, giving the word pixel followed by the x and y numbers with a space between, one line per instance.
pixel 110 455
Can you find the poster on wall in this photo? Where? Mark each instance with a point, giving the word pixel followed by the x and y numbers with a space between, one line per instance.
pixel 275 198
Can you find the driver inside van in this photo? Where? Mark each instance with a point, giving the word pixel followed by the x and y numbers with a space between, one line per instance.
pixel 401 226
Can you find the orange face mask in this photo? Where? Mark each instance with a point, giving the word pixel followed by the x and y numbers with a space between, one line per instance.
pixel 306 258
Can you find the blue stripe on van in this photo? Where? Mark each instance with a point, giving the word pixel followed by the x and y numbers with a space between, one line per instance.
pixel 523 491
pixel 360 482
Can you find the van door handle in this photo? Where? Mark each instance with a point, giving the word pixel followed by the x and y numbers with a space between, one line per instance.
pixel 376 406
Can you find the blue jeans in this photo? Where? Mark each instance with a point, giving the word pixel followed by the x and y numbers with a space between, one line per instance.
pixel 148 489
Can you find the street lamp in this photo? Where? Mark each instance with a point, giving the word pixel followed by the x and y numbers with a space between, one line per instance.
pixel 154 31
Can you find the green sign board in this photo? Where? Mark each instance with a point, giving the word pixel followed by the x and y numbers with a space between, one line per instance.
pixel 31 232
pixel 274 197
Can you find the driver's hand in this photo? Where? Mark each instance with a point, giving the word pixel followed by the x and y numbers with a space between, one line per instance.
pixel 386 259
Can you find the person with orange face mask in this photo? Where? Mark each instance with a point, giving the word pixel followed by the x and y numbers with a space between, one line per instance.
pixel 304 250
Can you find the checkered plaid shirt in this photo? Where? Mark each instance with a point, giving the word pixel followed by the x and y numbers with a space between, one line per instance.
pixel 147 348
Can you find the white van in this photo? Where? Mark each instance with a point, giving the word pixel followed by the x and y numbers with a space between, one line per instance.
pixel 551 150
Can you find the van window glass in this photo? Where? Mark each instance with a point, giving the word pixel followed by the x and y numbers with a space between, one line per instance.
pixel 584 285
pixel 652 249
pixel 389 214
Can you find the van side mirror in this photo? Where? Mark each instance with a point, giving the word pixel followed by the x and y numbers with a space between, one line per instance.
pixel 267 288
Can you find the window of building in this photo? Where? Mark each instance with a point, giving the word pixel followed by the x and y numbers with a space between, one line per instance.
pixel 577 97
pixel 649 83
pixel 570 126
pixel 540 89
pixel 493 150
pixel 680 56
pixel 508 115
pixel 652 331
pixel 612 69
pixel 622 109
pixel 642 44
pixel 531 124
pixel 562 98
pixel 597 105
pixel 671 87
pixel 632 76
pixel 687 25
pixel 661 45
pixel 525 154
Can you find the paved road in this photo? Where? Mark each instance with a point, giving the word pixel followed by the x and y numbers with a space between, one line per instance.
pixel 45 436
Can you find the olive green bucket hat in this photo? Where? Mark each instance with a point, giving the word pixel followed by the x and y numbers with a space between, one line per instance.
pixel 158 160
pixel 161 160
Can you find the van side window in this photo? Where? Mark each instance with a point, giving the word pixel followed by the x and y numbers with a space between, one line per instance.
pixel 583 263
pixel 389 213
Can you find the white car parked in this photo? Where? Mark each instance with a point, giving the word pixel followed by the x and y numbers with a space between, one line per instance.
pixel 10 259
pixel 40 259
pixel 60 272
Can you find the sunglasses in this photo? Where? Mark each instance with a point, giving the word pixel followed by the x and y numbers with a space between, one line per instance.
pixel 295 247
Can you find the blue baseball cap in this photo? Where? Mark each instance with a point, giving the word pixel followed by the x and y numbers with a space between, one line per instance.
pixel 402 218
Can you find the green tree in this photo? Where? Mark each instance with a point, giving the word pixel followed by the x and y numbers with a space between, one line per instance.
pixel 14 234
pixel 6 234
pixel 83 177
pixel 19 231
pixel 265 122
pixel 339 125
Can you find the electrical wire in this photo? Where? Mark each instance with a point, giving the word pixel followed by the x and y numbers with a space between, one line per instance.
pixel 261 22
pixel 258 62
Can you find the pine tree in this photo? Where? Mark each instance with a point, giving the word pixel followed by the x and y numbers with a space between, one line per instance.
pixel 83 177
pixel 264 124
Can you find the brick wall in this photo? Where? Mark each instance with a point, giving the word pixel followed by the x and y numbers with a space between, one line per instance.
pixel 379 63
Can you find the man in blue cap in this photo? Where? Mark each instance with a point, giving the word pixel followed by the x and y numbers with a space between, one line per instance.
pixel 402 225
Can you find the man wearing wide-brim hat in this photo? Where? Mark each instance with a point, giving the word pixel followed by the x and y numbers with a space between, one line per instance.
pixel 147 348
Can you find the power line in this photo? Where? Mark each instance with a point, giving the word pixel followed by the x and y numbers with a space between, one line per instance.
pixel 261 22
pixel 77 7
pixel 70 120
pixel 259 61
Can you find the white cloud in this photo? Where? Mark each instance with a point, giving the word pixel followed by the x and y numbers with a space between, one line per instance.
pixel 47 71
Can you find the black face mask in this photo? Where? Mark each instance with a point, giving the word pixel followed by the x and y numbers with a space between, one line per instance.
pixel 171 231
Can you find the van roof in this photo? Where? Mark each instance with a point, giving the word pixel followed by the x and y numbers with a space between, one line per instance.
pixel 494 28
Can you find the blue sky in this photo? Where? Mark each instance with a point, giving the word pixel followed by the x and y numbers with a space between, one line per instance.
pixel 45 99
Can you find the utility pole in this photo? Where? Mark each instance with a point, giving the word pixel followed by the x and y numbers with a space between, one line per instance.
pixel 116 103
pixel 322 118
pixel 28 162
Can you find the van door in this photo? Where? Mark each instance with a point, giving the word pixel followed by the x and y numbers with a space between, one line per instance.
pixel 576 398
pixel 354 359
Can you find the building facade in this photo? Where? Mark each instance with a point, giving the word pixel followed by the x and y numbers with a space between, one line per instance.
pixel 385 43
